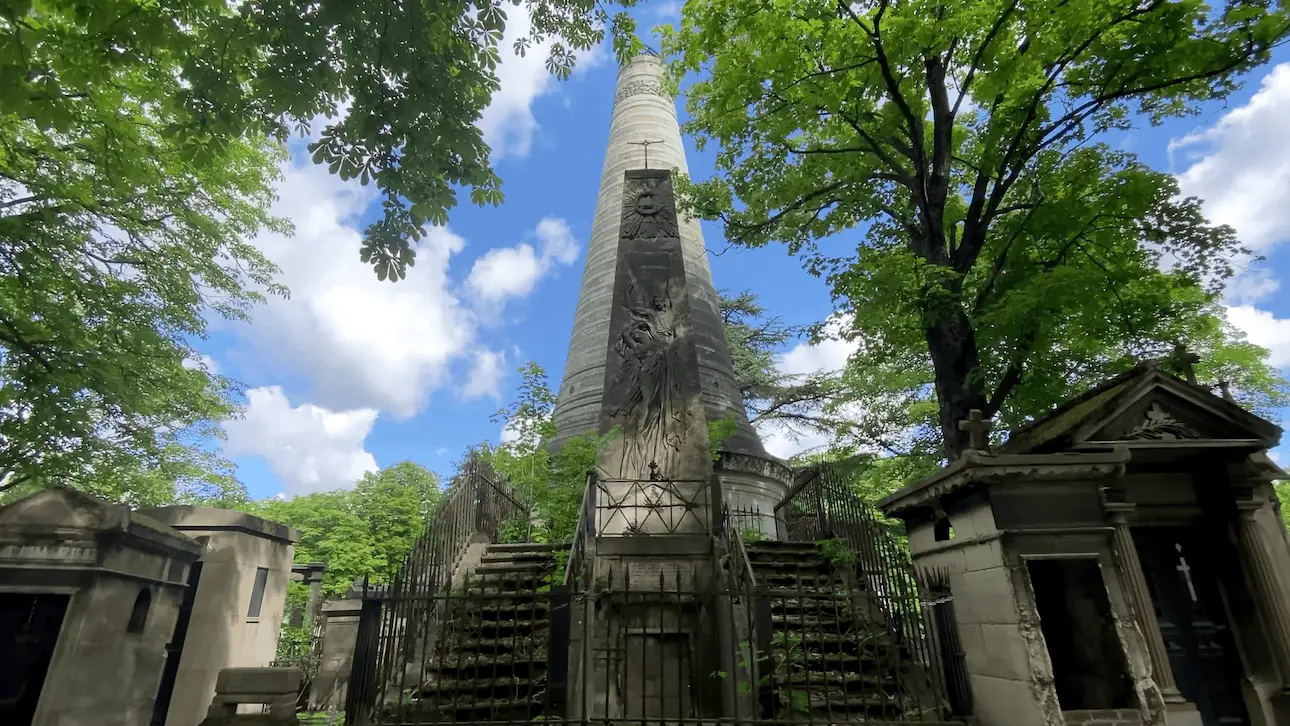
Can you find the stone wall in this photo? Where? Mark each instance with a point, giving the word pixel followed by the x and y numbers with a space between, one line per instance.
pixel 222 633
pixel 109 562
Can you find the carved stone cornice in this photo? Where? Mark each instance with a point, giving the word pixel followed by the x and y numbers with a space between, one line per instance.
pixel 981 468
pixel 734 461
pixel 641 86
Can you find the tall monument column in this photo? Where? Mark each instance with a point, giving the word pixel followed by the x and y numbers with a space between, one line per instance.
pixel 644 135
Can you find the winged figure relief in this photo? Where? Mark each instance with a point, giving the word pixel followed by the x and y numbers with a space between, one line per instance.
pixel 652 409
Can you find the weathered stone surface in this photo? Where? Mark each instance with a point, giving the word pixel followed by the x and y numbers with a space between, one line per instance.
pixel 275 688
pixel 99 588
pixel 643 112
pixel 222 632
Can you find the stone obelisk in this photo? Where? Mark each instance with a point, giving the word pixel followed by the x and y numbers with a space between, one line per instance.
pixel 644 124
pixel 645 144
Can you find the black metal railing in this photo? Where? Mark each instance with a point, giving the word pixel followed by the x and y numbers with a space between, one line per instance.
pixel 642 507
pixel 398 623
pixel 822 507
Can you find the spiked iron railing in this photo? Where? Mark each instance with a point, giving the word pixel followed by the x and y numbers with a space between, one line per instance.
pixel 398 621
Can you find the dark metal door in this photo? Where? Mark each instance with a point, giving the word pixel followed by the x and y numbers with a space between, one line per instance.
pixel 175 648
pixel 29 626
pixel 1183 579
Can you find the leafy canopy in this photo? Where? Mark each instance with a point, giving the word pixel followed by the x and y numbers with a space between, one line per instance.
pixel 938 162
pixel 554 482
pixel 363 532
pixel 405 82
pixel 139 143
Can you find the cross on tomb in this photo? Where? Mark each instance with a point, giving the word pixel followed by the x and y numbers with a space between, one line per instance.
pixel 1185 569
pixel 654 474
pixel 978 428
pixel 1182 361
pixel 645 146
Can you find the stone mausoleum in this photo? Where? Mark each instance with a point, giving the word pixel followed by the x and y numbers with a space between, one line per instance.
pixel 113 617
pixel 1119 561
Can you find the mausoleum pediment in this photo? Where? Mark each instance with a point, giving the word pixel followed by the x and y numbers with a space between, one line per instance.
pixel 1145 407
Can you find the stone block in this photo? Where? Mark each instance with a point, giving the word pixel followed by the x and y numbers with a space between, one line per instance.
pixel 1005 702
pixel 986 596
pixel 255 681
pixel 982 556
pixel 1102 717
pixel 973 648
pixel 1005 653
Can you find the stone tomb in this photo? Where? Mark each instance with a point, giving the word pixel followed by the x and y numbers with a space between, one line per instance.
pixel 89 596
pixel 1119 561
pixel 237 604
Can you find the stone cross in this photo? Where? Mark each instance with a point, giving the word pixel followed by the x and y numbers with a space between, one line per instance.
pixel 645 146
pixel 1226 388
pixel 978 428
pixel 1182 361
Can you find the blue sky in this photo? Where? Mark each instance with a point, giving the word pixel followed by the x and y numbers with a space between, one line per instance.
pixel 350 374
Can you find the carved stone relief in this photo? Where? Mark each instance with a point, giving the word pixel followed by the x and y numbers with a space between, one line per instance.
pixel 1158 425
pixel 640 86
pixel 649 209
pixel 651 405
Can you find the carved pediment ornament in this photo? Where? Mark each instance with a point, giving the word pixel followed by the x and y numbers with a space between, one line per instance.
pixel 1158 425
pixel 649 211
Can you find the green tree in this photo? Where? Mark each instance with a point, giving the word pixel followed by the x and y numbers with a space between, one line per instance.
pixel 1005 253
pixel 554 482
pixel 395 503
pixel 139 141
pixel 331 531
pixel 362 532
pixel 412 77
pixel 795 402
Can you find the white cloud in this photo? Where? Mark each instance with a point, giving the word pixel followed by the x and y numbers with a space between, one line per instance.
pixel 827 356
pixel 1265 330
pixel 507 272
pixel 364 343
pixel 202 362
pixel 507 123
pixel 486 373
pixel 1241 165
pixel 308 447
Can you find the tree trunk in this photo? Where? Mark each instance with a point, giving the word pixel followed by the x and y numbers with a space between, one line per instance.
pixel 959 388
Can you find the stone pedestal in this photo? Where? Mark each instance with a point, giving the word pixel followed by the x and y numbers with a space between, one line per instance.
pixel 275 688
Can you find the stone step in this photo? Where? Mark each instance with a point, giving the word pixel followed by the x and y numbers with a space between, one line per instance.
pixel 494 686
pixel 500 609
pixel 774 545
pixel 484 710
pixel 527 547
pixel 507 663
pixel 529 645
pixel 517 557
pixel 506 568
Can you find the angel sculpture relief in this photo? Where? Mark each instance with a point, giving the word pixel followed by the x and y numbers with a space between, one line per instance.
pixel 652 409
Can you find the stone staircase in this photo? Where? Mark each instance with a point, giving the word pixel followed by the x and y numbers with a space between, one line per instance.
pixel 490 656
pixel 833 657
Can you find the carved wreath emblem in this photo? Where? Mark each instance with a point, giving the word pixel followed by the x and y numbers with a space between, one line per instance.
pixel 649 210
pixel 1160 426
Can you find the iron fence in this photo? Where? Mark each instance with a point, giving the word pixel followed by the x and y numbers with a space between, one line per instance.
pixel 643 507
pixel 651 646
pixel 398 623
pixel 822 507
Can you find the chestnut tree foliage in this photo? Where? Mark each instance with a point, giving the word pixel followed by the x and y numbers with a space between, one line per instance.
pixel 941 163
pixel 139 145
